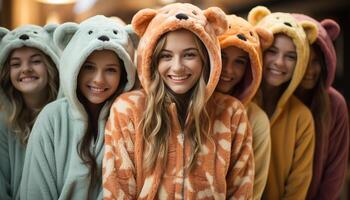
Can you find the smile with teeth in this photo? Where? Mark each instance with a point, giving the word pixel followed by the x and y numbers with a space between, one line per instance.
pixel 225 78
pixel 179 78
pixel 275 71
pixel 97 89
pixel 28 79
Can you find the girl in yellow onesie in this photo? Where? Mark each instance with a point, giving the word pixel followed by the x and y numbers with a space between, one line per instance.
pixel 292 128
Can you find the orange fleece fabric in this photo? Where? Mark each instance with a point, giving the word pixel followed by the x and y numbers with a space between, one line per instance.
pixel 224 167
pixel 243 35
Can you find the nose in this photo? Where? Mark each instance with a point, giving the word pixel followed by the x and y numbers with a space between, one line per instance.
pixel 98 77
pixel 177 65
pixel 279 60
pixel 227 68
pixel 103 38
pixel 182 16
pixel 26 67
pixel 24 37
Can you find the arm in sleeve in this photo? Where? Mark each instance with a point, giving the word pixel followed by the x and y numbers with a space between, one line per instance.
pixel 39 178
pixel 240 176
pixel 337 158
pixel 119 180
pixel 262 151
pixel 300 174
pixel 5 171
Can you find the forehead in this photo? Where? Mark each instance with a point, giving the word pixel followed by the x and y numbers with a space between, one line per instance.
pixel 103 56
pixel 284 42
pixel 24 51
pixel 180 39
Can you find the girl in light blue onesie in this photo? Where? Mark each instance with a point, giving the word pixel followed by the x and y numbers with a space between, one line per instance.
pixel 65 151
pixel 28 81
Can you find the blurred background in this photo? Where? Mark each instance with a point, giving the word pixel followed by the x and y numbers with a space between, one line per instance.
pixel 14 13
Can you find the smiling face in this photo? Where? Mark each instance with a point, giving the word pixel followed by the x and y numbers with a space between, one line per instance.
pixel 99 76
pixel 313 71
pixel 279 61
pixel 234 63
pixel 28 72
pixel 179 63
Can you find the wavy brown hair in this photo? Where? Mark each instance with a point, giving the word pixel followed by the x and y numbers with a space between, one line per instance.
pixel 84 145
pixel 156 125
pixel 21 118
pixel 319 102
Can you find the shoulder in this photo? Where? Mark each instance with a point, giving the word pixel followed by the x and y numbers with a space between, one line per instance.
pixel 337 100
pixel 221 100
pixel 298 108
pixel 134 101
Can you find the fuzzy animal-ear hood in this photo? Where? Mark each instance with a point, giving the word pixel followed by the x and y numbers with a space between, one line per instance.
pixel 328 31
pixel 251 39
pixel 33 36
pixel 78 41
pixel 302 33
pixel 151 24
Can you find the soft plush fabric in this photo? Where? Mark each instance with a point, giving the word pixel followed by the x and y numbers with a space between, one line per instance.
pixel 30 36
pixel 224 173
pixel 243 35
pixel 292 128
pixel 331 152
pixel 53 169
pixel 12 150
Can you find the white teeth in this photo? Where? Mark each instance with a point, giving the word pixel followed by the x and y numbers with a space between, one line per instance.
pixel 95 89
pixel 225 78
pixel 276 72
pixel 28 79
pixel 179 78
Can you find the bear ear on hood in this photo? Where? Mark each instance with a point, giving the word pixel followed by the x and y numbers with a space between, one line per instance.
pixel 141 20
pixel 133 36
pixel 50 29
pixel 217 18
pixel 64 33
pixel 310 30
pixel 257 14
pixel 265 37
pixel 332 28
pixel 3 32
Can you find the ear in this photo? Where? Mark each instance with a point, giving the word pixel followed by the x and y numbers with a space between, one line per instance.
pixel 332 28
pixel 257 14
pixel 141 20
pixel 265 37
pixel 217 18
pixel 310 30
pixel 50 28
pixel 3 32
pixel 64 33
pixel 133 36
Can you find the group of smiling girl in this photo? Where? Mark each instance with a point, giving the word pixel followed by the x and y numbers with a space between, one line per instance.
pixel 220 108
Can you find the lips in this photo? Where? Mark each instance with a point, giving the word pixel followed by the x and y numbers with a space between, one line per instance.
pixel 179 78
pixel 225 78
pixel 96 90
pixel 275 71
pixel 28 78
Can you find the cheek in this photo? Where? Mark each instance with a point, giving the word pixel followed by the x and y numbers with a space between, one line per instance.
pixel 13 75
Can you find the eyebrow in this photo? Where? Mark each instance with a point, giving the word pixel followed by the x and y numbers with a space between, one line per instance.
pixel 110 64
pixel 188 49
pixel 32 56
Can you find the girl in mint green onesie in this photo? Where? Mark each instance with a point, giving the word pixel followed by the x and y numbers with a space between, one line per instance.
pixel 65 151
pixel 28 81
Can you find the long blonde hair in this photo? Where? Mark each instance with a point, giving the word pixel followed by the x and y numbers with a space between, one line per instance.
pixel 21 118
pixel 156 125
